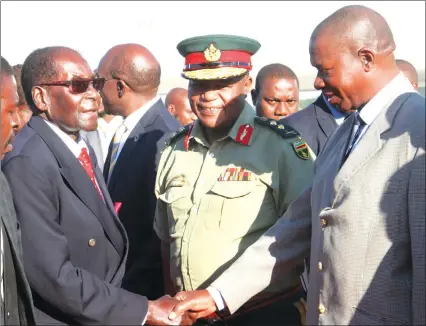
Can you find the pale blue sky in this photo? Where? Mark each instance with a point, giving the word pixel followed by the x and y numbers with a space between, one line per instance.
pixel 283 28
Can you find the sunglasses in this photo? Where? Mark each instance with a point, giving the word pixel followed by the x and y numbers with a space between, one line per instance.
pixel 78 86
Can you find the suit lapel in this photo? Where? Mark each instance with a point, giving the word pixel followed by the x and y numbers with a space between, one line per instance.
pixel 324 117
pixel 77 179
pixel 134 138
pixel 370 144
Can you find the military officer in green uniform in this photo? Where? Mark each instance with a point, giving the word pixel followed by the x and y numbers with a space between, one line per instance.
pixel 225 179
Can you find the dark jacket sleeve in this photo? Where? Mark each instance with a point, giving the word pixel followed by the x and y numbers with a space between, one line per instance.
pixel 80 295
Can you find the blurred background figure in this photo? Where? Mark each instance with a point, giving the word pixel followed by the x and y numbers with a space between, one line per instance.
pixel 23 109
pixel 177 103
pixel 276 95
pixel 409 71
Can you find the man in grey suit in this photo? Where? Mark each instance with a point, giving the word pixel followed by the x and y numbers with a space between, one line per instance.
pixel 16 305
pixel 363 219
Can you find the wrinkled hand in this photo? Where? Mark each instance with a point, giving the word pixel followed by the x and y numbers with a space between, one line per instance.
pixel 199 304
pixel 159 310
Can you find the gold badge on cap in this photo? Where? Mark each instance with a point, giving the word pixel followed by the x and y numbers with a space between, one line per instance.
pixel 212 53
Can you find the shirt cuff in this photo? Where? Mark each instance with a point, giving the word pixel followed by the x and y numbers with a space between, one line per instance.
pixel 144 319
pixel 217 297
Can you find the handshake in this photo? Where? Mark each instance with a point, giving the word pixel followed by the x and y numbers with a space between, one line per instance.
pixel 184 309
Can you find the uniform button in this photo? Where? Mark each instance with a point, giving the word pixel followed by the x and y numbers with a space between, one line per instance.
pixel 320 266
pixel 321 309
pixel 323 222
pixel 92 242
pixel 211 154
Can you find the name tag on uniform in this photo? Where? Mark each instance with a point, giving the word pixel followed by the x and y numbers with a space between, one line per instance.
pixel 236 174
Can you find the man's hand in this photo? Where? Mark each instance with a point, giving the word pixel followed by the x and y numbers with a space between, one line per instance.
pixel 159 310
pixel 199 304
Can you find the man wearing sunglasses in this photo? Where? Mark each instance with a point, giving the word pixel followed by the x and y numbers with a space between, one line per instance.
pixel 74 246
pixel 132 76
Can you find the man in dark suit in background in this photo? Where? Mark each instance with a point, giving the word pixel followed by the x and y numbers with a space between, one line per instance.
pixel 74 246
pixel 409 72
pixel 133 77
pixel 16 306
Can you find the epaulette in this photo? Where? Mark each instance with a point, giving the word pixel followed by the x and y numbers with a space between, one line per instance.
pixel 180 133
pixel 281 129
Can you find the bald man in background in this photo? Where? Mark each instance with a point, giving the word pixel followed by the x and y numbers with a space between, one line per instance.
pixel 276 93
pixel 409 71
pixel 177 103
pixel 131 91
pixel 363 219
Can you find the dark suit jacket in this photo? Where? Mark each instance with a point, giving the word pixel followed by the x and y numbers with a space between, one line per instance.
pixel 132 184
pixel 17 295
pixel 74 280
pixel 315 123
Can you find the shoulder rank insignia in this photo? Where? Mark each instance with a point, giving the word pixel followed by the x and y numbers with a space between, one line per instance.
pixel 181 132
pixel 301 148
pixel 280 128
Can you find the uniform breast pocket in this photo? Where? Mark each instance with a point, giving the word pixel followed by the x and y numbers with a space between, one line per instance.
pixel 241 203
pixel 179 203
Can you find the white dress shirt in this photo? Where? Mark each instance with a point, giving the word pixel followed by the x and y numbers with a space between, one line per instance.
pixel 74 146
pixel 338 116
pixel 106 131
pixel 132 120
pixel 396 87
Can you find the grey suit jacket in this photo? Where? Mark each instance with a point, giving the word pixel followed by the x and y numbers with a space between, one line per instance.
pixel 22 314
pixel 363 224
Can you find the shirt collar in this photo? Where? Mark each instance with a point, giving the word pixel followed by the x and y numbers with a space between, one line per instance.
pixel 74 146
pixel 246 117
pixel 384 98
pixel 132 120
pixel 338 116
pixel 113 124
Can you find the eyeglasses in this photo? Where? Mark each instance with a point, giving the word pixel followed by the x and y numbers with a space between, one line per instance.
pixel 78 86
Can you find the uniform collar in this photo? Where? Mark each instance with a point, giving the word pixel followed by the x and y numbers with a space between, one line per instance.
pixel 240 132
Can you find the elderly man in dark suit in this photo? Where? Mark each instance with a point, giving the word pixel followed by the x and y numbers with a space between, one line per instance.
pixel 16 306
pixel 75 248
pixel 133 77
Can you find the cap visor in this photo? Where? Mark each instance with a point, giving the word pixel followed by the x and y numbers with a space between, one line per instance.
pixel 215 73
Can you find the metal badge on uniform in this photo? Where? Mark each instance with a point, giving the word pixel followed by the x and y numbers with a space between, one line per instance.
pixel 236 174
pixel 177 181
pixel 301 148
pixel 244 134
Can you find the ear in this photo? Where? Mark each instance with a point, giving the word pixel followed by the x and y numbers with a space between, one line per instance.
pixel 172 109
pixel 121 88
pixel 368 59
pixel 40 98
pixel 248 85
pixel 254 95
pixel 416 86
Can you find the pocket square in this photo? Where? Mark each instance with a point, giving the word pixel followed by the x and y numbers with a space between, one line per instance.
pixel 117 206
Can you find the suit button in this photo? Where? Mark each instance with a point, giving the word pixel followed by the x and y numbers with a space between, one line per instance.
pixel 323 222
pixel 320 266
pixel 321 309
pixel 92 242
